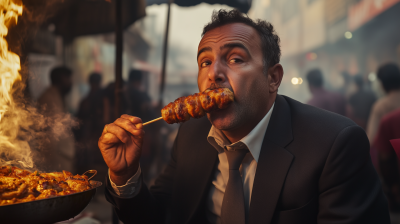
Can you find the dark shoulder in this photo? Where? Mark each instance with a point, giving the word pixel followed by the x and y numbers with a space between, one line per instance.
pixel 315 120
pixel 317 133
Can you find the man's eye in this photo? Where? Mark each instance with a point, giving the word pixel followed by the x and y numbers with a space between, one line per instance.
pixel 235 60
pixel 204 64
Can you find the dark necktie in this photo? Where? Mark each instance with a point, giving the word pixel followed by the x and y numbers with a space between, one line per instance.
pixel 233 210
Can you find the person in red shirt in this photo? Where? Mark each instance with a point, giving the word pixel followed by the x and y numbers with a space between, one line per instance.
pixel 389 129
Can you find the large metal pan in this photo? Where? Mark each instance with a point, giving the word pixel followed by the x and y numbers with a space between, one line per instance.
pixel 48 210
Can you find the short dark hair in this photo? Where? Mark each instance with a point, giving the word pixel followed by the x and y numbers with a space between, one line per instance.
pixel 269 39
pixel 315 78
pixel 58 73
pixel 95 78
pixel 389 75
pixel 135 75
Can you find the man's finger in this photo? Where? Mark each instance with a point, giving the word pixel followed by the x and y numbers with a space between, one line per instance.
pixel 128 126
pixel 119 132
pixel 109 139
pixel 105 129
pixel 133 119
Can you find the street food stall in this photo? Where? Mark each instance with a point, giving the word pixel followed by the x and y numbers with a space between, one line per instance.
pixel 45 197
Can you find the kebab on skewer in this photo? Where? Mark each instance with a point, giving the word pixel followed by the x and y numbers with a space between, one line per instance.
pixel 196 105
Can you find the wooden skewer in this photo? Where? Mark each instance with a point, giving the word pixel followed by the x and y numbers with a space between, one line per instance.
pixel 149 122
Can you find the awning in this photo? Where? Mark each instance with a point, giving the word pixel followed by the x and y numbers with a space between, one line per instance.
pixel 241 5
pixel 73 18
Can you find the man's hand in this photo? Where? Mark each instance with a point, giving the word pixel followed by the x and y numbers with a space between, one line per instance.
pixel 121 147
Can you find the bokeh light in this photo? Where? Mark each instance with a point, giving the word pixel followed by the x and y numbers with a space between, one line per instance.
pixel 348 35
pixel 372 76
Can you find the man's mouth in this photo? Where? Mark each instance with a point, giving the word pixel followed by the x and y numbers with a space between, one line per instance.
pixel 216 86
pixel 222 112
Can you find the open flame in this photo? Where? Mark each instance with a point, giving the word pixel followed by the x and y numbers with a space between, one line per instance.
pixel 9 74
pixel 9 61
pixel 22 126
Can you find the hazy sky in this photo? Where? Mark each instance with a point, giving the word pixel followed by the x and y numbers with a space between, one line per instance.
pixel 185 28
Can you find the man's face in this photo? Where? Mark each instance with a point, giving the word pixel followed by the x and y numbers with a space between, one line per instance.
pixel 231 56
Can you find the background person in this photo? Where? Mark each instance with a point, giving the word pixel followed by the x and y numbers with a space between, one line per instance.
pixel 90 116
pixel 389 128
pixel 361 102
pixel 59 152
pixel 140 106
pixel 139 99
pixel 389 76
pixel 53 98
pixel 109 102
pixel 322 98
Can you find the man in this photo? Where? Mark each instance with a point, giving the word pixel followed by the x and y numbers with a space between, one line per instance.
pixel 361 102
pixel 59 151
pixel 140 106
pixel 389 128
pixel 389 75
pixel 322 98
pixel 53 98
pixel 90 115
pixel 139 100
pixel 264 159
pixel 91 108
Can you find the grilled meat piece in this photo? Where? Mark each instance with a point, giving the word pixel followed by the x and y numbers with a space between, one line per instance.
pixel 208 100
pixel 193 106
pixel 223 97
pixel 197 105
pixel 181 111
pixel 168 114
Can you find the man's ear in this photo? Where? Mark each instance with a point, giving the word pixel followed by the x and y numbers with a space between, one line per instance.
pixel 275 75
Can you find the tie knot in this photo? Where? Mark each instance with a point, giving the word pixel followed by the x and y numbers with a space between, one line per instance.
pixel 235 157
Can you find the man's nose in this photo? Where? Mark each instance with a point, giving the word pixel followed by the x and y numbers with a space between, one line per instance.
pixel 217 73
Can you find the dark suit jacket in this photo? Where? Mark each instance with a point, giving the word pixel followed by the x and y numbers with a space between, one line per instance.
pixel 314 167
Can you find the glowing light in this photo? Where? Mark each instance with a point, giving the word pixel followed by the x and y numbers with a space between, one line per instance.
pixel 372 77
pixel 297 81
pixel 348 35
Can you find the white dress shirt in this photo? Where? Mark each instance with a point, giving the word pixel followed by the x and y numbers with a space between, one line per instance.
pixel 216 138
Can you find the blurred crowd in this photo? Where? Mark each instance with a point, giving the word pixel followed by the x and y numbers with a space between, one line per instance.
pixel 380 118
pixel 79 152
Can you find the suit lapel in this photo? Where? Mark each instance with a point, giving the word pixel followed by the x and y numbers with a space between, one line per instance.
pixel 273 164
pixel 196 167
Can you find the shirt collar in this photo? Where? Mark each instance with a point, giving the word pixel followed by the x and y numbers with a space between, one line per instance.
pixel 253 140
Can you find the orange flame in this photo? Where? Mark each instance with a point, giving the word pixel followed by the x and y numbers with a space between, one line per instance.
pixel 9 74
pixel 9 61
